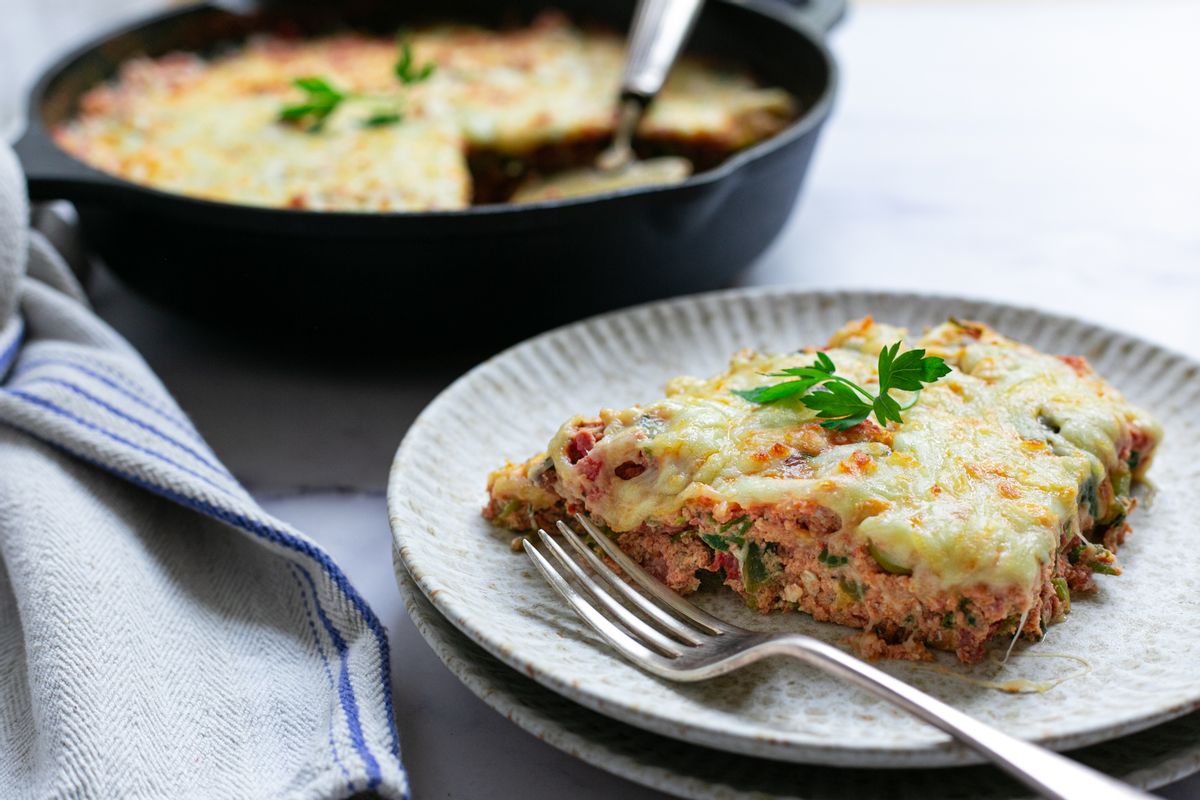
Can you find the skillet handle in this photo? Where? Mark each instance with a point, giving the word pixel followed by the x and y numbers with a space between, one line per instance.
pixel 816 15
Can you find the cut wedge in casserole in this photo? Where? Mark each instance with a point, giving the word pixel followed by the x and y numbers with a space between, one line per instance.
pixel 1006 488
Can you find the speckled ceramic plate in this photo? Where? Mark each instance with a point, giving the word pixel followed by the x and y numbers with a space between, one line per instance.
pixel 1137 635
pixel 1149 759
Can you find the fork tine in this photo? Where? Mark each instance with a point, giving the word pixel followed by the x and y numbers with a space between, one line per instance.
pixel 664 620
pixel 609 632
pixel 651 584
pixel 648 636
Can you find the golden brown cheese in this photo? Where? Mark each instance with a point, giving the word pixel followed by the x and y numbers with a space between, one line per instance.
pixel 977 487
pixel 209 128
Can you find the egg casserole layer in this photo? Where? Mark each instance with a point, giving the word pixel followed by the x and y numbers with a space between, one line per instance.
pixel 1006 488
pixel 498 105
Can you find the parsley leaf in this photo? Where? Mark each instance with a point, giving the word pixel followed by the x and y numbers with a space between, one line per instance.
pixel 808 377
pixel 381 118
pixel 406 71
pixel 315 85
pixel 910 370
pixel 840 403
pixel 886 408
pixel 824 363
pixel 321 100
pixel 778 391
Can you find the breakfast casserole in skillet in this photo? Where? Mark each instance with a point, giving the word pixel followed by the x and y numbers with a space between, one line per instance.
pixel 439 119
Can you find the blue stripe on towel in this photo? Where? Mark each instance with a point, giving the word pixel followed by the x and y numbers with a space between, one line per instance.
pixel 146 426
pixel 53 407
pixel 312 627
pixel 121 388
pixel 270 534
pixel 345 690
pixel 10 352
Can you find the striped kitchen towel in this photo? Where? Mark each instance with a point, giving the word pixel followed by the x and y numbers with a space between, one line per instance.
pixel 160 635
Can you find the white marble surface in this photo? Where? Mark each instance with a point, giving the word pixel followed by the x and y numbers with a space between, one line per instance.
pixel 1036 151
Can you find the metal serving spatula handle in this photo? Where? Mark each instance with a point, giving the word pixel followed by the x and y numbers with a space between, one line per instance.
pixel 660 27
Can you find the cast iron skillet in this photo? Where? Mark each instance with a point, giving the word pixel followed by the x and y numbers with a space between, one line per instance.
pixel 503 270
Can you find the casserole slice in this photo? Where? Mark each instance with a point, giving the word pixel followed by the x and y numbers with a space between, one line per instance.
pixel 1007 487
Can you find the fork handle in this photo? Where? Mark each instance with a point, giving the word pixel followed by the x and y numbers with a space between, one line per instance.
pixel 1045 771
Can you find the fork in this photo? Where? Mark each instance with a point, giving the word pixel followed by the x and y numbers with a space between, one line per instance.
pixel 675 639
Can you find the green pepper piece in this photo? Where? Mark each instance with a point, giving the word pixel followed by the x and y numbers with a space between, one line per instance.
pixel 731 523
pixel 754 572
pixel 1063 592
pixel 851 588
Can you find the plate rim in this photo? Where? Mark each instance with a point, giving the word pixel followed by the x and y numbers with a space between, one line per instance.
pixel 944 751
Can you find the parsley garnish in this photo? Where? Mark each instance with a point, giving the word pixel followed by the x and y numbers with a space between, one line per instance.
pixel 380 118
pixel 840 403
pixel 408 73
pixel 321 98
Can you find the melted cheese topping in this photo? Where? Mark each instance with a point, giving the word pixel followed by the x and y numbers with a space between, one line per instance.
pixel 977 485
pixel 210 128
